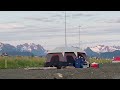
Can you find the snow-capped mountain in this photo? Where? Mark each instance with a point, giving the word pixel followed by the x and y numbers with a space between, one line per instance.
pixel 1 45
pixel 103 51
pixel 31 49
pixel 35 49
pixel 103 48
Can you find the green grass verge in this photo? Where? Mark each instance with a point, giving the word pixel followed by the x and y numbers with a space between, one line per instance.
pixel 24 62
pixel 21 62
pixel 101 61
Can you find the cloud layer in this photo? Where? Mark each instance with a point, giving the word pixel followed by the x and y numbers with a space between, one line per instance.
pixel 49 27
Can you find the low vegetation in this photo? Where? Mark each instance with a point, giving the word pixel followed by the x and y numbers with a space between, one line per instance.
pixel 101 61
pixel 24 62
pixel 21 62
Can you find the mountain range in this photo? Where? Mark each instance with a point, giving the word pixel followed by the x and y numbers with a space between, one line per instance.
pixel 32 49
pixel 23 49
pixel 103 51
pixel 103 48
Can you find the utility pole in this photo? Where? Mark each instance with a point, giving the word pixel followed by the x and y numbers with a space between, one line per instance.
pixel 79 36
pixel 65 31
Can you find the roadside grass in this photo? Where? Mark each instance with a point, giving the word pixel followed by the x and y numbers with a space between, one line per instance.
pixel 21 62
pixel 100 61
pixel 15 62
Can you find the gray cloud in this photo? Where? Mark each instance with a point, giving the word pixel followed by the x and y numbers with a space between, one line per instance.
pixel 81 14
pixel 57 15
pixel 11 25
pixel 61 16
pixel 118 21
pixel 29 36
pixel 40 19
pixel 71 15
pixel 99 41
pixel 114 21
pixel 38 30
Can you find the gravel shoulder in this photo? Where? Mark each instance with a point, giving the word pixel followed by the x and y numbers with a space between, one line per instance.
pixel 106 71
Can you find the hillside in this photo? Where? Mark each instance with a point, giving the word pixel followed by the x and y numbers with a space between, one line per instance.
pixel 103 51
pixel 23 49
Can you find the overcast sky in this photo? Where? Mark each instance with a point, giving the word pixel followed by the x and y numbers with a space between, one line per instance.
pixel 47 28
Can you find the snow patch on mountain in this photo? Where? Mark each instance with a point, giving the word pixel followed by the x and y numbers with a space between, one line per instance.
pixel 37 50
pixel 103 48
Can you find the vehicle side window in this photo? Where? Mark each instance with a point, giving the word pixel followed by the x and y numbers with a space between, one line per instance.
pixel 70 59
pixel 55 58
